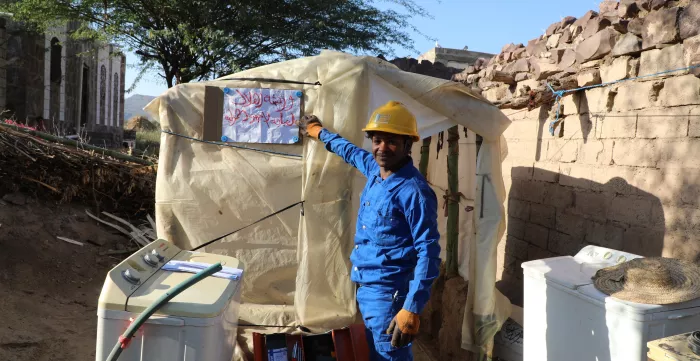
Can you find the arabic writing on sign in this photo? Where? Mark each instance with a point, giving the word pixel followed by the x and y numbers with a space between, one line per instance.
pixel 261 115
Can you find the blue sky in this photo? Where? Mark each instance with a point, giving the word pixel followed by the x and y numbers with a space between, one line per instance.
pixel 482 25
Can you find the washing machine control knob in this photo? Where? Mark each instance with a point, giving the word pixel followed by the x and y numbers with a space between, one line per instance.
pixel 157 255
pixel 150 260
pixel 131 276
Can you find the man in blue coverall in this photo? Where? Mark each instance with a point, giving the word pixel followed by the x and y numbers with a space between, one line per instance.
pixel 397 254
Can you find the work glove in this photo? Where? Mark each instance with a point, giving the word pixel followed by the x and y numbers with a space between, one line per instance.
pixel 310 126
pixel 403 328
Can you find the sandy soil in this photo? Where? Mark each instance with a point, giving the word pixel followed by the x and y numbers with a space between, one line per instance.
pixel 49 287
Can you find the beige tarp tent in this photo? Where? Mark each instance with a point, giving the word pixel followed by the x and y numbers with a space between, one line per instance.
pixel 297 266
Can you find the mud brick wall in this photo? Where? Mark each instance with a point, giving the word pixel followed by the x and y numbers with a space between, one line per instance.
pixel 622 169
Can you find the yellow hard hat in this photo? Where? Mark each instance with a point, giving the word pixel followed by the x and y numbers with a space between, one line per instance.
pixel 393 117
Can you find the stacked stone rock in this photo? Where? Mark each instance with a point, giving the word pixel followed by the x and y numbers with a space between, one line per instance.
pixel 622 169
pixel 626 39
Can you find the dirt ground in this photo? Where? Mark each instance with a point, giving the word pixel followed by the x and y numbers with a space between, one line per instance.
pixel 50 288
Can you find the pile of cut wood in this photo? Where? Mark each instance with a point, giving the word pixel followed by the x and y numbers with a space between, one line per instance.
pixel 66 170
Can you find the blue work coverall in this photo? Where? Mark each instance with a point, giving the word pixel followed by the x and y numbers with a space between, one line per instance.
pixel 397 254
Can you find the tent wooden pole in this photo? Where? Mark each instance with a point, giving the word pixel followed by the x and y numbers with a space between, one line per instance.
pixel 452 201
pixel 424 157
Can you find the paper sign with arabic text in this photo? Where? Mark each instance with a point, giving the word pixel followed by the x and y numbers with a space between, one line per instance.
pixel 253 115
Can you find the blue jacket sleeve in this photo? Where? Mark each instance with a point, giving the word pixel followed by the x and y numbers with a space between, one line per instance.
pixel 421 214
pixel 352 154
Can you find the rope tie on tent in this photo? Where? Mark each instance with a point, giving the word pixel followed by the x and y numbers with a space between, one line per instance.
pixel 452 198
pixel 233 146
pixel 560 93
pixel 244 227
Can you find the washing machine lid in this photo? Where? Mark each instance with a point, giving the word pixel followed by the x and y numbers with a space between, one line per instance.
pixel 207 298
pixel 574 272
pixel 564 271
pixel 616 305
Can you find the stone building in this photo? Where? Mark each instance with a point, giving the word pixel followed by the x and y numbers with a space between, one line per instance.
pixel 619 168
pixel 65 86
pixel 453 58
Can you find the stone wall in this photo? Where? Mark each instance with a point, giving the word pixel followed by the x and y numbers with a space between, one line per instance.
pixel 24 68
pixel 621 169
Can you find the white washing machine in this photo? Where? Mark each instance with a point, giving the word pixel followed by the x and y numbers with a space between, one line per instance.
pixel 199 324
pixel 567 319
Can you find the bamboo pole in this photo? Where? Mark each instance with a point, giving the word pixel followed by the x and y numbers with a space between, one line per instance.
pixel 452 201
pixel 424 157
pixel 72 143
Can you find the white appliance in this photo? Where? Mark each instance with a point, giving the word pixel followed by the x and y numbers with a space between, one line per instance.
pixel 199 324
pixel 567 319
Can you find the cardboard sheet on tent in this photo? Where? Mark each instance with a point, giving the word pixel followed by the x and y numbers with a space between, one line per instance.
pixel 297 267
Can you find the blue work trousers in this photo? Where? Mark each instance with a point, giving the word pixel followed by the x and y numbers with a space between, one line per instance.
pixel 379 305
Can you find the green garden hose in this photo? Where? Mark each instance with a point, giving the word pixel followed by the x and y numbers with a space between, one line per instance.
pixel 126 337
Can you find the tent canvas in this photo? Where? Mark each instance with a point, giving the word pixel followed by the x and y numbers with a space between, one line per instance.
pixel 297 262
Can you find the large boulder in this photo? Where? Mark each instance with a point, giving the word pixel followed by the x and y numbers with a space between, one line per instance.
pixel 689 21
pixel 660 28
pixel 535 47
pixel 508 47
pixel 553 29
pixel 568 59
pixel 519 53
pixel 597 46
pixel 620 25
pixel 519 66
pixel 636 26
pixel 565 22
pixel 644 4
pixel 627 10
pixel 607 6
pixel 585 18
pixel 500 77
pixel 628 44
pixel 565 37
pixel 542 69
pixel 595 25
pixel 557 54
pixel 588 77
pixel 553 41
pixel 658 4
pixel 522 77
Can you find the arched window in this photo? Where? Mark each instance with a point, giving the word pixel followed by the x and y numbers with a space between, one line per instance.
pixel 103 93
pixel 115 100
pixel 55 61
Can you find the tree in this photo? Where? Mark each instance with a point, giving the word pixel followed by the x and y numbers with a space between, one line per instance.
pixel 190 40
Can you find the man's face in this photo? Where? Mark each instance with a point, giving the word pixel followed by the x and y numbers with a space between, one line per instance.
pixel 388 149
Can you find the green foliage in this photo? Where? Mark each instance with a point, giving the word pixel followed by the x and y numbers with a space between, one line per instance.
pixel 148 142
pixel 201 39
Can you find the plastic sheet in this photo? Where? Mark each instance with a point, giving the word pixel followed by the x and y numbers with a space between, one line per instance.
pixel 297 267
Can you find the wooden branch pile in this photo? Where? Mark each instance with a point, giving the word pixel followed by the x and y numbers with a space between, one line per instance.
pixel 141 236
pixel 34 162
